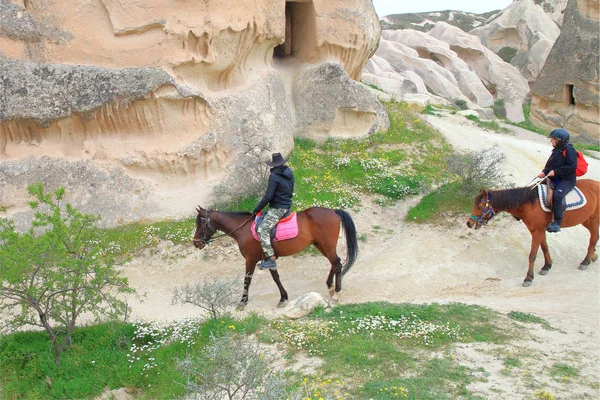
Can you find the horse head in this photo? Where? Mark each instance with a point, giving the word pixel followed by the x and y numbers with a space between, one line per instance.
pixel 482 211
pixel 204 230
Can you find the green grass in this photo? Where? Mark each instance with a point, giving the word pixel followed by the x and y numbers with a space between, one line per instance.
pixel 127 240
pixel 563 370
pixel 364 344
pixel 390 165
pixel 101 356
pixel 512 362
pixel 528 318
pixel 448 200
pixel 490 125
pixel 376 341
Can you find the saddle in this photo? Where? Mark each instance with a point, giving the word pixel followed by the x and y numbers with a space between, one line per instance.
pixel 286 228
pixel 574 199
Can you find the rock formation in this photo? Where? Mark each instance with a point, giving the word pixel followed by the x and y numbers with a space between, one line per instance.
pixel 522 34
pixel 567 90
pixel 425 21
pixel 168 100
pixel 449 64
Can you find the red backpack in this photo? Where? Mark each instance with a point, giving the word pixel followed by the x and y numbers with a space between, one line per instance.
pixel 582 164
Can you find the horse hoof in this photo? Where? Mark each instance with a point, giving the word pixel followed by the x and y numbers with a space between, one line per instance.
pixel 545 269
pixel 595 258
pixel 583 267
pixel 331 292
pixel 527 283
pixel 240 307
pixel 282 304
pixel 336 297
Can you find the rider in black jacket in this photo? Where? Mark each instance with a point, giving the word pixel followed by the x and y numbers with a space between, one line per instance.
pixel 560 170
pixel 279 197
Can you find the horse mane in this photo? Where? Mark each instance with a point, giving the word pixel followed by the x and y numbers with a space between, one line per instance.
pixel 511 198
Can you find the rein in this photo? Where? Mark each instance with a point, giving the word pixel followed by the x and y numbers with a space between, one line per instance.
pixel 212 231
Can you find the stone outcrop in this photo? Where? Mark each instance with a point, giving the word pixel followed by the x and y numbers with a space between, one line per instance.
pixel 329 103
pixel 555 9
pixel 449 64
pixel 178 97
pixel 303 305
pixel 497 75
pixel 522 34
pixel 567 90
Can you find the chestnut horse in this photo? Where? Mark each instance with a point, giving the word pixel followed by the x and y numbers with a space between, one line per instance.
pixel 523 204
pixel 316 225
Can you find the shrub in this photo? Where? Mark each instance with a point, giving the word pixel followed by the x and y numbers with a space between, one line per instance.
pixel 476 169
pixel 214 297
pixel 507 53
pixel 233 367
pixel 499 108
pixel 461 104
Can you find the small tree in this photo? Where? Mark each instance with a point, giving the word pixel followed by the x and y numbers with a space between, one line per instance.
pixel 56 271
pixel 214 297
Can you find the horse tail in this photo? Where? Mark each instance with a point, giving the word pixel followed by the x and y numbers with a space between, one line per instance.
pixel 351 242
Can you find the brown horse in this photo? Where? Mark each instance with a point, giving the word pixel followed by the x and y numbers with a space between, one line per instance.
pixel 318 226
pixel 523 204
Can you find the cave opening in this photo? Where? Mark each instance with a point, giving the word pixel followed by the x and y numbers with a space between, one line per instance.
pixel 569 96
pixel 300 30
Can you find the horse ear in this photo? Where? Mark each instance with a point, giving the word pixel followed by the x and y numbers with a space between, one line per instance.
pixel 483 192
pixel 199 209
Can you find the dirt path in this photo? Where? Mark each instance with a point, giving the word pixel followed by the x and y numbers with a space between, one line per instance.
pixel 401 262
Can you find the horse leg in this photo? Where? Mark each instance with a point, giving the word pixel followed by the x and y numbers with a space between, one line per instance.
pixel 250 266
pixel 547 259
pixel 536 238
pixel 591 255
pixel 284 296
pixel 335 292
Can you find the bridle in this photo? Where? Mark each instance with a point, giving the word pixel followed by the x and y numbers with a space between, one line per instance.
pixel 204 240
pixel 487 214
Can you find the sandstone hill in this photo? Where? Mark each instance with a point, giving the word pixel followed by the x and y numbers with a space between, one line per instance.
pixel 425 21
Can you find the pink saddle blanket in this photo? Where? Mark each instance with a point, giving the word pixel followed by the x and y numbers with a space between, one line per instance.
pixel 287 228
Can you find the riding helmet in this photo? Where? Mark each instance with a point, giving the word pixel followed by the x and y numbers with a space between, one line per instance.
pixel 560 134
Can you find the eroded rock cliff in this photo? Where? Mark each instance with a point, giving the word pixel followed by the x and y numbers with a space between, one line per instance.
pixel 567 91
pixel 177 97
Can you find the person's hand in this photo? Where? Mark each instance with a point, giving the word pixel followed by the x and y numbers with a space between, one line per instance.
pixel 541 175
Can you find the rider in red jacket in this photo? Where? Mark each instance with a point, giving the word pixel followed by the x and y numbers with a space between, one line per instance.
pixel 560 170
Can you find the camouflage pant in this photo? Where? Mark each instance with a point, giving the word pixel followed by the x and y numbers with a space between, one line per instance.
pixel 270 219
